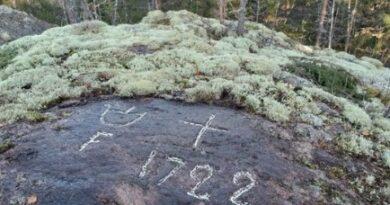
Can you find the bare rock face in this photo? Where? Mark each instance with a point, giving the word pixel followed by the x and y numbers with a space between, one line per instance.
pixel 152 151
pixel 15 24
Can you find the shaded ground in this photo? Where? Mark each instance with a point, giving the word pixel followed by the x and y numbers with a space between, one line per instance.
pixel 54 161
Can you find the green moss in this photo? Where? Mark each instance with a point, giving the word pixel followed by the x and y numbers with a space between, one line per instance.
pixel 336 172
pixel 309 164
pixel 35 117
pixel 5 146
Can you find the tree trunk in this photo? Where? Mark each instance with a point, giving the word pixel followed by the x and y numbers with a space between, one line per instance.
pixel 353 17
pixel 222 10
pixel 257 10
pixel 241 17
pixel 114 18
pixel 349 28
pixel 95 12
pixel 331 29
pixel 276 14
pixel 321 22
pixel 62 4
pixel 125 8
pixel 70 8
pixel 154 5
pixel 157 4
pixel 76 10
pixel 151 5
pixel 85 12
pixel 351 24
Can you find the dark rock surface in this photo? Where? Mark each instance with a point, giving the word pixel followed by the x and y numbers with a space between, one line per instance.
pixel 15 24
pixel 54 162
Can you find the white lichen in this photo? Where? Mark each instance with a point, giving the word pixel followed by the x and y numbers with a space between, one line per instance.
pixel 275 110
pixel 356 144
pixel 356 115
pixel 386 157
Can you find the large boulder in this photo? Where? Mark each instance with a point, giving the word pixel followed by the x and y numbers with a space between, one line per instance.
pixel 326 114
pixel 15 24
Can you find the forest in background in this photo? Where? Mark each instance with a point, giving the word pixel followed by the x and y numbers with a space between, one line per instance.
pixel 360 27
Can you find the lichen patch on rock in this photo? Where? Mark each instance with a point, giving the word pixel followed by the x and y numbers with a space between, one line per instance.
pixel 179 55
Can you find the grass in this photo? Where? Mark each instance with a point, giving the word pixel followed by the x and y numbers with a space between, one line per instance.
pixel 334 80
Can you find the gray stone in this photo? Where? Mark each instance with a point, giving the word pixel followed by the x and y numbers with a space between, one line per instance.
pixel 15 24
pixel 113 151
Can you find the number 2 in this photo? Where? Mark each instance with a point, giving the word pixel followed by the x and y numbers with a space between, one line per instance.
pixel 238 176
pixel 194 175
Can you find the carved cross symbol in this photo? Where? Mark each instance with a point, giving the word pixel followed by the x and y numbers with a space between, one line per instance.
pixel 93 139
pixel 127 112
pixel 203 130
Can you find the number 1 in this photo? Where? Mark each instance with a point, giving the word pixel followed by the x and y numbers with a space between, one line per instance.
pixel 145 167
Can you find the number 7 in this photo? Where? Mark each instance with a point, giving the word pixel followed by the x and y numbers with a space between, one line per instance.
pixel 179 163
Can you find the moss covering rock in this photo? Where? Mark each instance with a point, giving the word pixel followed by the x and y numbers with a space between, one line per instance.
pixel 180 55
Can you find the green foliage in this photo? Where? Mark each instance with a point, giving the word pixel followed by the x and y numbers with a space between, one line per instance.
pixel 334 80
pixel 298 19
